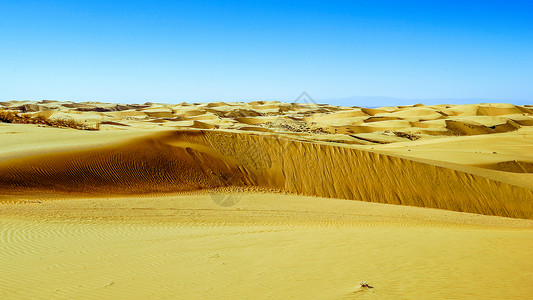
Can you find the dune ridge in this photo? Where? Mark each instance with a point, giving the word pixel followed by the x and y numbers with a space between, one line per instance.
pixel 179 201
pixel 349 125
pixel 184 160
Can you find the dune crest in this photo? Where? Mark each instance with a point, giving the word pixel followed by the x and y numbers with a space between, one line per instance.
pixel 185 160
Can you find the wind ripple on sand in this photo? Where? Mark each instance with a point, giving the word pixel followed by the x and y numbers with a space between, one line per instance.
pixel 203 159
pixel 95 260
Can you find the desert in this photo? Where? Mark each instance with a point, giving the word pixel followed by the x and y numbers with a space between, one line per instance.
pixel 265 199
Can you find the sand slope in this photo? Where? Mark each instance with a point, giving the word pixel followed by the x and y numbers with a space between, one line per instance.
pixel 191 160
pixel 408 155
pixel 209 200
pixel 406 122
pixel 266 246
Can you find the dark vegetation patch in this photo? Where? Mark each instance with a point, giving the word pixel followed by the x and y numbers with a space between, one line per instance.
pixel 9 116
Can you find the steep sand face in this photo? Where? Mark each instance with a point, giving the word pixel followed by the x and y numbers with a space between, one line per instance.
pixel 170 201
pixel 139 166
pixel 203 159
pixel 474 158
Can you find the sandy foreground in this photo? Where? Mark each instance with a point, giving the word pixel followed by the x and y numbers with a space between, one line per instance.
pixel 266 246
pixel 267 200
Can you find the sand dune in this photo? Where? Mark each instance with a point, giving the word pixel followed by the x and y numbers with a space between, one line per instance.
pixel 319 150
pixel 459 119
pixel 248 200
pixel 192 160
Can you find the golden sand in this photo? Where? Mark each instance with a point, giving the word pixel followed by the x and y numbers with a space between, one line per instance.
pixel 236 200
pixel 266 246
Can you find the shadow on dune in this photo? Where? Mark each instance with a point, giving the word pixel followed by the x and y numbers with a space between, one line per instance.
pixel 203 159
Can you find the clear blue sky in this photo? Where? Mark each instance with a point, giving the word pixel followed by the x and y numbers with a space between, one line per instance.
pixel 173 51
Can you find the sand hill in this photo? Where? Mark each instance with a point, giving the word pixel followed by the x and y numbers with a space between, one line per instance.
pixel 396 155
pixel 265 200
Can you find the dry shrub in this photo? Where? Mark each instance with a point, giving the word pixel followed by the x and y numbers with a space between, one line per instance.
pixel 9 116
pixel 412 137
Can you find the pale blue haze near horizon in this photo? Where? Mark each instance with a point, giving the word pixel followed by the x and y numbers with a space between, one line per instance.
pixel 341 52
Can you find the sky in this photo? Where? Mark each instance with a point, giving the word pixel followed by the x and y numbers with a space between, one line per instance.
pixel 339 52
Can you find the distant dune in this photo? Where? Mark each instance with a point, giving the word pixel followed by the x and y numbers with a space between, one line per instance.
pixel 319 150
pixel 265 200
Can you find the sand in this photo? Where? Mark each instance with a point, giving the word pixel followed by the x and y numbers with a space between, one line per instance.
pixel 266 246
pixel 267 200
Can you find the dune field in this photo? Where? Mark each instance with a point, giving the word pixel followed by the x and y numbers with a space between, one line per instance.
pixel 265 200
